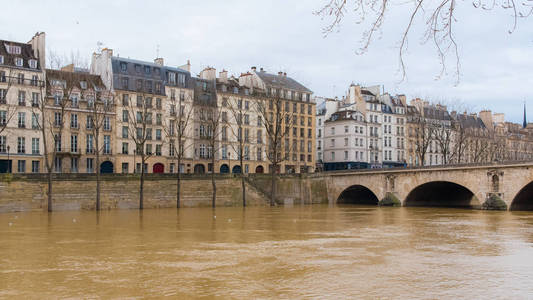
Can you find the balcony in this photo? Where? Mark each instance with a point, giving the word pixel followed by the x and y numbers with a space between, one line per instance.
pixel 108 151
pixel 22 103
pixel 22 81
pixel 34 104
pixel 22 125
pixel 89 151
pixel 173 113
pixel 75 126
pixel 109 128
pixel 3 101
pixel 68 152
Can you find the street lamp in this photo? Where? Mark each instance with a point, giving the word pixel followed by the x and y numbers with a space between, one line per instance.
pixel 8 161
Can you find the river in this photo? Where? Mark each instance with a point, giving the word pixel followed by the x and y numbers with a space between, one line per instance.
pixel 262 252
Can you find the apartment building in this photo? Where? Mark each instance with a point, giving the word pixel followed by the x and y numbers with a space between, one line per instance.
pixel 21 88
pixel 284 96
pixel 79 121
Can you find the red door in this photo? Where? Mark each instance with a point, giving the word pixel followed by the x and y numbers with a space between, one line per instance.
pixel 159 168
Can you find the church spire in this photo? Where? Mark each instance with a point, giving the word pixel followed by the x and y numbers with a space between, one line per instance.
pixel 524 124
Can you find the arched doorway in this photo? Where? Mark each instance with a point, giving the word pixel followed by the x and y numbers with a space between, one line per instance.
pixel 358 194
pixel 259 170
pixel 236 170
pixel 224 169
pixel 199 169
pixel 442 193
pixel 106 167
pixel 524 199
pixel 158 168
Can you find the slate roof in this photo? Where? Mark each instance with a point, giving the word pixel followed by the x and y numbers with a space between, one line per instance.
pixel 436 114
pixel 75 77
pixel 284 81
pixel 468 121
pixel 26 52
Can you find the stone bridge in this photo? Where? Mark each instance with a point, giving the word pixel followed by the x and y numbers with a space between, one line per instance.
pixel 453 186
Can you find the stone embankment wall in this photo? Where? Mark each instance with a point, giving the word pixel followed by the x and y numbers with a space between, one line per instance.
pixel 77 191
pixel 293 189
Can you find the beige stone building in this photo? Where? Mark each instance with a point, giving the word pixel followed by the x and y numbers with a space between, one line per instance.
pixel 21 88
pixel 299 111
pixel 79 122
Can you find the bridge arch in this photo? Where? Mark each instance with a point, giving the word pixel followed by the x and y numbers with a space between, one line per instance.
pixel 357 194
pixel 442 194
pixel 523 199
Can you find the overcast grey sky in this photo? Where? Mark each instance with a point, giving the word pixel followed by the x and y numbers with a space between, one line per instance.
pixel 497 67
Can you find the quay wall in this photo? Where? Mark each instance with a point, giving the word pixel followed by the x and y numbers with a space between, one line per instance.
pixel 78 192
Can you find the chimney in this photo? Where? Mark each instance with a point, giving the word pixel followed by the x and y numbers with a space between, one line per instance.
pixel 486 117
pixel 108 52
pixel 208 73
pixel 223 75
pixel 38 44
pixel 159 61
pixel 187 66
pixel 68 68
pixel 280 73
pixel 254 68
pixel 284 74
pixel 261 70
pixel 403 99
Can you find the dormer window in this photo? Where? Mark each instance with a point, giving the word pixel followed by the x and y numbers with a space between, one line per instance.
pixel 19 61
pixel 156 71
pixel 147 70
pixel 12 49
pixel 33 63
pixel 172 77
pixel 83 85
pixel 1 59
pixel 246 91
pixel 235 90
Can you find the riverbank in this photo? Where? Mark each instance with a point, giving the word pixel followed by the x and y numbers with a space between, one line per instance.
pixel 27 192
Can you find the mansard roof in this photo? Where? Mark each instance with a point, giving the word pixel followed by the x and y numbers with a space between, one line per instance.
pixel 282 81
pixel 26 53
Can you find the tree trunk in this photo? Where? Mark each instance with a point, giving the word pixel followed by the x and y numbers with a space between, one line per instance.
pixel 273 187
pixel 49 191
pixel 213 201
pixel 141 187
pixel 97 173
pixel 242 180
pixel 243 191
pixel 178 187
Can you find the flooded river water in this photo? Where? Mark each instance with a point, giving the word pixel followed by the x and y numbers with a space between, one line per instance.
pixel 262 252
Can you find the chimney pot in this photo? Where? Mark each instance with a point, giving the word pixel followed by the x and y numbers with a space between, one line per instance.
pixel 254 68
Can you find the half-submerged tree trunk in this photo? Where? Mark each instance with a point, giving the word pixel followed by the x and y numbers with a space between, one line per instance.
pixel 273 187
pixel 141 187
pixel 178 188
pixel 243 191
pixel 49 194
pixel 97 171
pixel 213 183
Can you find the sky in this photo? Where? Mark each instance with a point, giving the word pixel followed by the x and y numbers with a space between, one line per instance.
pixel 496 67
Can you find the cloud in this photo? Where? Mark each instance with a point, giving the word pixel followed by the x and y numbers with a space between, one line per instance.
pixel 496 67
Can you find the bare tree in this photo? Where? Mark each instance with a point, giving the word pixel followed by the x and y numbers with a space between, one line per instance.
pixel 439 20
pixel 443 135
pixel 421 137
pixel 240 136
pixel 139 120
pixel 7 111
pixel 277 123
pixel 100 105
pixel 213 125
pixel 177 132
pixel 50 118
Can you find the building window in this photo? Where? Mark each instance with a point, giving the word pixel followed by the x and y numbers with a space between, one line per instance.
pixel 74 143
pixel 123 66
pixel 124 132
pixel 90 165
pixel 57 164
pixel 74 121
pixel 125 148
pixel 35 166
pixel 3 144
pixel 22 98
pixel 19 61
pixel 1 59
pixel 21 166
pixel 107 144
pixel 125 168
pixel 22 120
pixel 35 146
pixel 21 145
pixel 74 164
pixel 125 116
